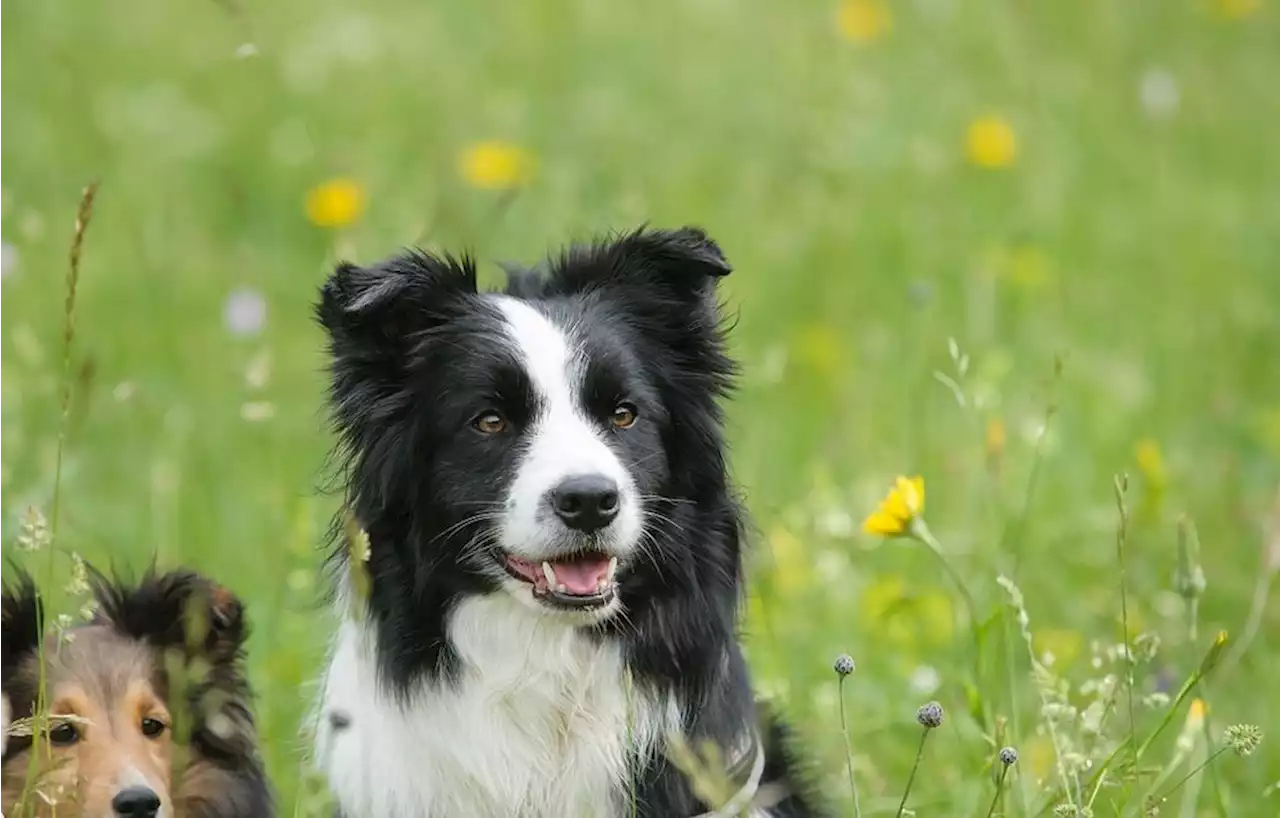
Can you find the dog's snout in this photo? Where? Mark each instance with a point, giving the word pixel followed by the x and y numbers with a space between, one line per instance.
pixel 586 502
pixel 136 802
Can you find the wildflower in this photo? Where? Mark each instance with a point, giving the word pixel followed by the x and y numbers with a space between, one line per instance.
pixel 991 143
pixel 1243 738
pixel 1008 756
pixel 33 531
pixel 844 664
pixel 899 510
pixel 10 259
pixel 1236 9
pixel 863 21
pixel 996 439
pixel 335 203
pixel 79 582
pixel 495 165
pixel 1150 462
pixel 1158 93
pixel 245 312
pixel 930 715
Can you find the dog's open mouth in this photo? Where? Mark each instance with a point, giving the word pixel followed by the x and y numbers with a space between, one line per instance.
pixel 583 580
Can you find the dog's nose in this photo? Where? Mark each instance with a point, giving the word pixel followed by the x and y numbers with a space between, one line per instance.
pixel 136 802
pixel 587 502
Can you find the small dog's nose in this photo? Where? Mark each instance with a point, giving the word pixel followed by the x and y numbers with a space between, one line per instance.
pixel 587 502
pixel 136 802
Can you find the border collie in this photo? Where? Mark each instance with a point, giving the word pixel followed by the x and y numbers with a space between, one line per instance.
pixel 554 557
pixel 114 741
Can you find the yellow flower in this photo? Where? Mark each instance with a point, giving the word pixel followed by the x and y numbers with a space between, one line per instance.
pixel 1237 9
pixel 335 203
pixel 996 438
pixel 820 348
pixel 862 21
pixel 1151 463
pixel 907 620
pixel 495 165
pixel 897 511
pixel 991 143
pixel 791 562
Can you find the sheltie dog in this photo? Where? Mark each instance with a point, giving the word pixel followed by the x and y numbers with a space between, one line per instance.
pixel 149 711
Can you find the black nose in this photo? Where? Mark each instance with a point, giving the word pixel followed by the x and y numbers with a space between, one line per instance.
pixel 587 502
pixel 136 802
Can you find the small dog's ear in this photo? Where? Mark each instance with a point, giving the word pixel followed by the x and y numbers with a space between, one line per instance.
pixel 372 311
pixel 684 263
pixel 180 609
pixel 22 614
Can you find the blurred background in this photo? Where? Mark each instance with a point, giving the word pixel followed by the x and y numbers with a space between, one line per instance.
pixel 1017 248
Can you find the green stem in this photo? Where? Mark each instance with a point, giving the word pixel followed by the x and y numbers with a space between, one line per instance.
pixel 1158 799
pixel 995 799
pixel 902 805
pixel 848 751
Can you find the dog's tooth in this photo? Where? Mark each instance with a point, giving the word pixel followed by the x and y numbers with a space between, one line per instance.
pixel 561 589
pixel 613 568
pixel 549 574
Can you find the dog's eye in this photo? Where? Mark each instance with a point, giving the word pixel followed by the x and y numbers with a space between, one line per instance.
pixel 624 416
pixel 490 423
pixel 63 734
pixel 152 728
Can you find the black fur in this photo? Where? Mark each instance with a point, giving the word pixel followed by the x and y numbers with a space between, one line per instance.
pixel 412 346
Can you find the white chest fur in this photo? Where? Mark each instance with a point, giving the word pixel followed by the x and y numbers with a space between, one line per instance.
pixel 542 723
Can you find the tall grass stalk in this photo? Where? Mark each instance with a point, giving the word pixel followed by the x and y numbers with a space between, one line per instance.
pixel 84 213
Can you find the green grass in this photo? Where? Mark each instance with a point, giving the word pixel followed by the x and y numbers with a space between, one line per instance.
pixel 1141 250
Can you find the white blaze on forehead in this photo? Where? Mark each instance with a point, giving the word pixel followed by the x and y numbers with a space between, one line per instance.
pixel 562 440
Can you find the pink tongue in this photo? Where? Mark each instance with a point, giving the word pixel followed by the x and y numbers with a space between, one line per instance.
pixel 582 577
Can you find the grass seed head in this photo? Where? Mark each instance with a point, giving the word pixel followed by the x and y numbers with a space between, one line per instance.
pixel 843 665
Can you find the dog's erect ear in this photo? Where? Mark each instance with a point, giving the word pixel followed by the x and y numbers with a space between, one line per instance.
pixel 180 609
pixel 374 312
pixel 22 613
pixel 682 263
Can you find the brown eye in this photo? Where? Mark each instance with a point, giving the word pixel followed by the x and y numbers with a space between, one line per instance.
pixel 490 423
pixel 624 416
pixel 152 728
pixel 63 734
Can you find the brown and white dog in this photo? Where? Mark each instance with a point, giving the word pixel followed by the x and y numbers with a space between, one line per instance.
pixel 149 706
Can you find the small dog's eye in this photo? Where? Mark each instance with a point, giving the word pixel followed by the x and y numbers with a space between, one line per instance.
pixel 491 423
pixel 151 728
pixel 63 734
pixel 624 416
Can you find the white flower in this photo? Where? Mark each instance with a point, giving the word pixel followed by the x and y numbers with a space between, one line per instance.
pixel 10 259
pixel 245 312
pixel 1159 94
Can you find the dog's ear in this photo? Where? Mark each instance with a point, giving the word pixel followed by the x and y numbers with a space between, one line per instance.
pixel 681 264
pixel 180 609
pixel 373 313
pixel 22 613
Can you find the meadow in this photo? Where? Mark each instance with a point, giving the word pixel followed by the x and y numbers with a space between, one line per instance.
pixel 1026 251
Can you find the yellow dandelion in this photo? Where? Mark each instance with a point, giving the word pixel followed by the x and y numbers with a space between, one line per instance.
pixel 495 165
pixel 898 510
pixel 863 21
pixel 335 203
pixel 1237 9
pixel 997 437
pixel 791 560
pixel 1150 462
pixel 991 143
pixel 820 349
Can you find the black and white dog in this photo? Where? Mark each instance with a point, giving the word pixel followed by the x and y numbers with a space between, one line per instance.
pixel 555 550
